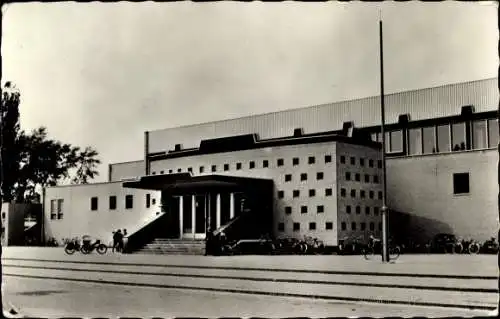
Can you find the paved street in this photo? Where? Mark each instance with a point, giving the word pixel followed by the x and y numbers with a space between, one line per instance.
pixel 54 298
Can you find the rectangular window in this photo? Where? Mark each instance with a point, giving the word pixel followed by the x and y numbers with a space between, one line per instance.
pixel 415 141
pixel 148 200
pixel 379 164
pixel 303 209
pixel 362 194
pixel 288 177
pixel 129 201
pixel 343 226
pixel 303 177
pixel 60 203
pixel 179 170
pixel 226 167
pixel 479 135
pixel 153 201
pixel 375 211
pixel 347 176
pixel 281 162
pixel 380 196
pixel 170 171
pixel 443 135
pixel 281 227
pixel 328 225
pixel 372 226
pixel 295 161
pixel 312 226
pixel 343 192
pixel 312 160
pixel 312 192
pixel 367 178
pixel 112 202
pixel 376 179
pixel 190 170
pixel 363 226
pixel 367 210
pixel 93 203
pixel 328 192
pixel 238 166
pixel 361 162
pixel 342 159
pixel 202 169
pixel 296 226
pixel 461 183
pixel 429 140
pixel 492 133
pixel 353 193
pixel 348 209
pixel 320 209
pixel 328 158
pixel 458 136
pixel 370 163
pixel 358 177
pixel 296 193
pixel 281 194
pixel 163 172
pixel 372 194
pixel 153 173
pixel 319 176
pixel 358 210
pixel 397 141
pixel 353 161
pixel 252 165
pixel 288 210
pixel 353 226
pixel 214 168
pixel 53 206
pixel 265 163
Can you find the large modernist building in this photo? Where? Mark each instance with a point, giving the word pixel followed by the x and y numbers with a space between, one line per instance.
pixel 310 171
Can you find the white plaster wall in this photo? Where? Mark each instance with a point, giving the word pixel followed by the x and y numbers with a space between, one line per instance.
pixel 120 171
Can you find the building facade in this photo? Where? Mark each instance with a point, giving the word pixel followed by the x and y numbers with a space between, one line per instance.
pixel 441 166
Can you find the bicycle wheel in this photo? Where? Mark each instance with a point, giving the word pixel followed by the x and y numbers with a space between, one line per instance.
pixel 69 250
pixel 84 250
pixel 394 252
pixel 102 249
pixel 458 249
pixel 368 253
pixel 474 248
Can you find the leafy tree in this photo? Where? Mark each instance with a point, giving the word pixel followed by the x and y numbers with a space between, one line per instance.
pixel 87 163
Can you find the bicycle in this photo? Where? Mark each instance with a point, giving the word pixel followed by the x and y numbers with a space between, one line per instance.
pixel 375 248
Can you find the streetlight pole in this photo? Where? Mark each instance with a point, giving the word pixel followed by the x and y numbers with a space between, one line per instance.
pixel 385 211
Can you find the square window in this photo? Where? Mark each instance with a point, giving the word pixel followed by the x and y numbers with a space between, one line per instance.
pixel 375 179
pixel 60 216
pixel 170 171
pixel 379 163
pixel 179 170
pixel 129 201
pixel 281 227
pixel 320 209
pixel 154 173
pixel 214 168
pixel 163 172
pixel 343 226
pixel 375 211
pixel 312 193
pixel 461 183
pixel 353 160
pixel 372 194
pixel 347 176
pixel 372 226
pixel 296 193
pixel 348 209
pixel 343 192
pixel 296 226
pixel 328 225
pixel 367 210
pixel 252 165
pixel 238 166
pixel 367 178
pixel 353 226
pixel 303 209
pixel 312 226
pixel 265 163
pixel 328 192
pixel 358 209
pixel 363 226
pixel 226 167
pixel 361 162
pixel 202 169
pixel 353 193
pixel 312 160
pixel 342 159
pixel 380 195
pixel 295 161
pixel 358 177
pixel 319 176
pixel 281 162
pixel 190 170
pixel 303 177
pixel 362 194
pixel 93 203
pixel 288 210
pixel 281 194
pixel 288 177
pixel 370 163
pixel 328 158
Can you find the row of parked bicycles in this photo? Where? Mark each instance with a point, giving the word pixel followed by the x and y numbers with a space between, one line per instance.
pixel 85 246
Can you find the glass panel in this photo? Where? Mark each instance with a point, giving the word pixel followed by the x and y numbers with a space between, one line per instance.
pixel 186 214
pixel 53 206
pixel 387 142
pixel 443 134
pixel 415 141
pixel 429 139
pixel 479 137
pixel 60 205
pixel 200 213
pixel 458 135
pixel 397 141
pixel 493 133
pixel 374 137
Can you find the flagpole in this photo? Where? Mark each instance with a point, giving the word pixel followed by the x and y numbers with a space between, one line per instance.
pixel 385 250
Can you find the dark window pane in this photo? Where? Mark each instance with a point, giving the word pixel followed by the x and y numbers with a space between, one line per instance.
pixel 328 158
pixel 348 176
pixel 288 178
pixel 370 163
pixel 458 136
pixel 342 159
pixel 94 203
pixel 252 164
pixel 226 167
pixel 265 163
pixel 295 161
pixel 328 192
pixel 342 192
pixel 358 209
pixel 361 162
pixel 281 162
pixel 429 140
pixel 202 169
pixel 312 226
pixel 363 226
pixel 367 178
pixel 129 201
pixel 479 136
pixel 148 200
pixel 303 177
pixel 319 176
pixel 353 226
pixel 415 141
pixel 303 209
pixel 367 210
pixel 372 226
pixel 312 193
pixel 214 168
pixel 353 161
pixel 348 209
pixel 358 177
pixel 353 193
pixel 281 194
pixel 320 209
pixel 461 183
pixel 312 160
pixel 112 202
pixel 328 225
pixel 296 226
pixel 296 193
pixel 288 210
pixel 238 166
pixel 444 142
pixel 281 227
pixel 343 225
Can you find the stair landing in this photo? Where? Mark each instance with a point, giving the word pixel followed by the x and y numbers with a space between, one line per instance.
pixel 168 246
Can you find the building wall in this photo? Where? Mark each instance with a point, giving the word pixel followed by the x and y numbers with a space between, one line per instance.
pixel 75 218
pixel 422 186
pixel 13 215
pixel 282 214
pixel 420 104
pixel 358 209
pixel 120 171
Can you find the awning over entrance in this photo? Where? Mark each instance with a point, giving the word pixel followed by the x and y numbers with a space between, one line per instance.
pixel 185 181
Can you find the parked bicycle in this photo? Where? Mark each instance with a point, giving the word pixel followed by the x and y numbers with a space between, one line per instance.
pixel 86 247
pixel 466 247
pixel 72 245
pixel 375 248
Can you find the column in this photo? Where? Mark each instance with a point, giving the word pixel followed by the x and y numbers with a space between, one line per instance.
pixel 193 214
pixel 181 216
pixel 231 205
pixel 217 211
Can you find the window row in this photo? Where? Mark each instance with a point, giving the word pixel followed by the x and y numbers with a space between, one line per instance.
pixel 479 134
pixel 312 193
pixel 56 208
pixel 361 160
pixel 312 226
pixel 304 209
pixel 251 165
pixel 362 193
pixel 362 226
pixel 357 177
pixel 303 177
pixel 112 203
pixel 357 209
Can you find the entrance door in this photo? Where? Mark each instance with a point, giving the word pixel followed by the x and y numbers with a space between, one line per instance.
pixel 200 213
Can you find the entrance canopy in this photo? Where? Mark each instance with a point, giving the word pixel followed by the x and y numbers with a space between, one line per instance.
pixel 186 181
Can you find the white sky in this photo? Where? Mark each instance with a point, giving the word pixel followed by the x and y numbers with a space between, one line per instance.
pixel 102 74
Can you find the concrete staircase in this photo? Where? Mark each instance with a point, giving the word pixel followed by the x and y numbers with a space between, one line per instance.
pixel 168 246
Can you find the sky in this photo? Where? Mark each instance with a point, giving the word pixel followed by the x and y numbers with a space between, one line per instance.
pixel 101 74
